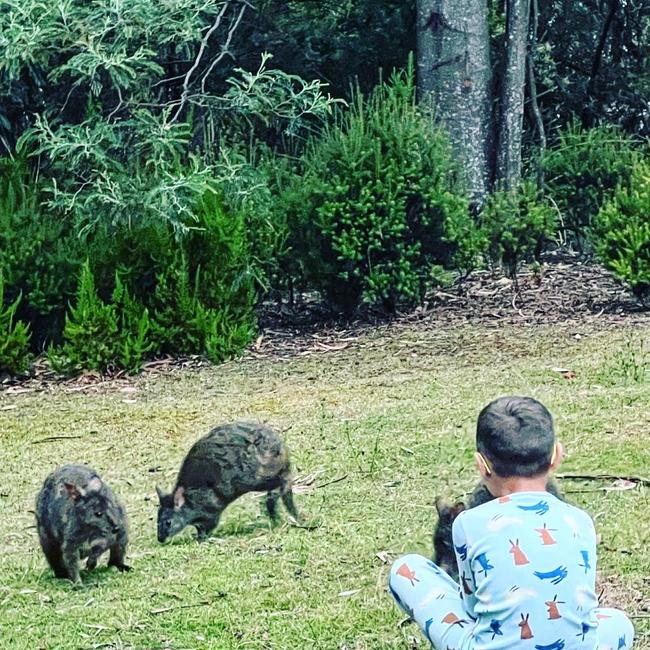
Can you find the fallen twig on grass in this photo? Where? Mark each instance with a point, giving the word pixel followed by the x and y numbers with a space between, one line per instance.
pixel 52 438
pixel 336 480
pixel 607 477
pixel 203 603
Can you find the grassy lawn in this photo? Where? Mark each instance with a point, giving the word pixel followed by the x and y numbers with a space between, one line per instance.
pixel 392 418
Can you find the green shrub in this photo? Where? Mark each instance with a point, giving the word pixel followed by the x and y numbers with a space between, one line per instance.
pixel 516 224
pixel 38 255
pixel 192 295
pixel 134 327
pixel 102 335
pixel 90 332
pixel 621 232
pixel 582 171
pixel 203 301
pixel 182 323
pixel 373 206
pixel 14 336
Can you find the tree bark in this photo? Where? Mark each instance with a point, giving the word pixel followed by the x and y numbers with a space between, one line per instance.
pixel 512 96
pixel 454 74
pixel 532 89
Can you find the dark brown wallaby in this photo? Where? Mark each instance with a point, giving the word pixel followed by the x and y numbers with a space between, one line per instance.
pixel 78 516
pixel 229 461
pixel 443 547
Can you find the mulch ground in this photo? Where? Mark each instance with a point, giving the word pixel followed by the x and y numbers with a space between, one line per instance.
pixel 565 289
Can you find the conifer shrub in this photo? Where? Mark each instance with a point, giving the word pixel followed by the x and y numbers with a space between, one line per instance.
pixel 621 232
pixel 375 200
pixel 192 295
pixel 39 256
pixel 14 336
pixel 91 331
pixel 582 171
pixel 516 224
pixel 204 297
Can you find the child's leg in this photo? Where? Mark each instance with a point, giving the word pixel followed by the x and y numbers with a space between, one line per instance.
pixel 615 630
pixel 432 599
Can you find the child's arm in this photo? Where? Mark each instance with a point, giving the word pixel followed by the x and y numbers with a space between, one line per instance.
pixel 465 573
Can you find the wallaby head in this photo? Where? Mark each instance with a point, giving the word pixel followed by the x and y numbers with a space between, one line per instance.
pixel 174 513
pixel 443 545
pixel 95 512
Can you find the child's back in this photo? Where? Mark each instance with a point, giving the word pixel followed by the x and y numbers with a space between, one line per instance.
pixel 526 560
pixel 526 566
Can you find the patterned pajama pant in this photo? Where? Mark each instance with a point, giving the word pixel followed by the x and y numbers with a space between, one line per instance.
pixel 424 591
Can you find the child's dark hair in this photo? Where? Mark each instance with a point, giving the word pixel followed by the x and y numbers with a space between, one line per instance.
pixel 515 434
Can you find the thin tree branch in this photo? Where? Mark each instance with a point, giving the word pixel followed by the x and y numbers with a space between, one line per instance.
pixel 598 55
pixel 226 45
pixel 119 105
pixel 539 122
pixel 197 60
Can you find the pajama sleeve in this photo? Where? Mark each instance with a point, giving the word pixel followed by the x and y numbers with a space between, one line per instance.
pixel 465 573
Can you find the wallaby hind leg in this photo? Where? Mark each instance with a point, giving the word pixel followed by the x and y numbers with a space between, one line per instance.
pixel 272 497
pixel 70 562
pixel 52 552
pixel 287 497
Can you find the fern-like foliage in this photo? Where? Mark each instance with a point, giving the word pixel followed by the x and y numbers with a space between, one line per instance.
pixel 14 336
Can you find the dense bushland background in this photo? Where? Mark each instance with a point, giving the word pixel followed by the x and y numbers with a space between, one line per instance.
pixel 168 166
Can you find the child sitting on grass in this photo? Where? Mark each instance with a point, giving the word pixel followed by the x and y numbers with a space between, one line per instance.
pixel 527 561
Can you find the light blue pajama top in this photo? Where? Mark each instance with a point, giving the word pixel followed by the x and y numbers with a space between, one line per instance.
pixel 527 569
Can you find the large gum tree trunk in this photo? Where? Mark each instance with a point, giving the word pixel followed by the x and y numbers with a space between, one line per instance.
pixel 511 112
pixel 453 71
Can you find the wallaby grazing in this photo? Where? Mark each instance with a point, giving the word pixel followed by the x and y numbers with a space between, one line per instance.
pixel 78 516
pixel 229 461
pixel 443 546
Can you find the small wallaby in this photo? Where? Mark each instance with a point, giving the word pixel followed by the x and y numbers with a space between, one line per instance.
pixel 229 461
pixel 443 547
pixel 78 516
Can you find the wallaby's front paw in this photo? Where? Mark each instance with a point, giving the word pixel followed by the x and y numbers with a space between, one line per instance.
pixel 123 567
pixel 91 563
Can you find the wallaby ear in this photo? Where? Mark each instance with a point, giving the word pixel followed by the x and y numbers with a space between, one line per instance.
pixel 441 505
pixel 179 497
pixel 95 484
pixel 160 493
pixel 74 491
pixel 457 508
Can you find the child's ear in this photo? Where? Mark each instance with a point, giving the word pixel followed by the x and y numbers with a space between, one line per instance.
pixel 558 455
pixel 481 465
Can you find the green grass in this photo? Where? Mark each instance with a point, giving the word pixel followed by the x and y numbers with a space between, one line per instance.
pixel 394 416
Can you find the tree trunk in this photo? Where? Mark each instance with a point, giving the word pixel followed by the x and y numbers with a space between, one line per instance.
pixel 453 72
pixel 512 95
